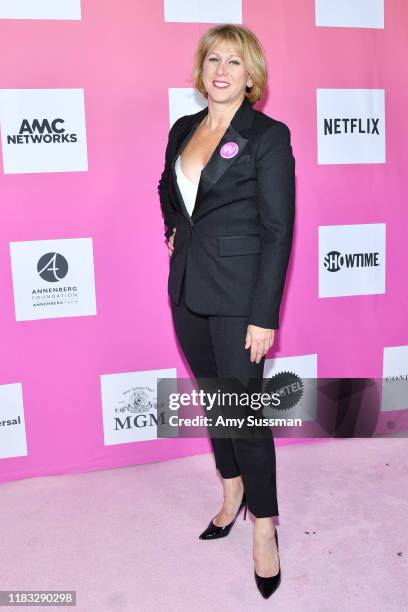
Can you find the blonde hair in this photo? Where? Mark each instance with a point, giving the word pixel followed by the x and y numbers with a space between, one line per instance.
pixel 249 47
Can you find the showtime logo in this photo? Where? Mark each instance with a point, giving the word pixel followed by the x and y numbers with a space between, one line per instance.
pixel 334 261
pixel 352 259
pixel 43 130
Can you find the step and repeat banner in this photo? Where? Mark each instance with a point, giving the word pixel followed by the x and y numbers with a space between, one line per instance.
pixel 88 93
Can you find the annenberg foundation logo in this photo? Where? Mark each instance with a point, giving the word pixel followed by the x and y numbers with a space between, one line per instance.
pixel 53 278
pixel 350 126
pixel 52 267
pixel 43 130
pixel 352 259
pixel 334 261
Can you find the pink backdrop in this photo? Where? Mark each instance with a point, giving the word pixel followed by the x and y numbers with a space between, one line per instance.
pixel 125 57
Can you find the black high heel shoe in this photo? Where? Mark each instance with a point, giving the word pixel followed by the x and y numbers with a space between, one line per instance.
pixel 267 586
pixel 213 531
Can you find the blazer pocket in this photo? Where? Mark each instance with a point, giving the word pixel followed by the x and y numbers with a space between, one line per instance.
pixel 245 244
pixel 244 159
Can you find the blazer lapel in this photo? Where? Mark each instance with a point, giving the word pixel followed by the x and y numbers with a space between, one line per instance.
pixel 185 137
pixel 217 165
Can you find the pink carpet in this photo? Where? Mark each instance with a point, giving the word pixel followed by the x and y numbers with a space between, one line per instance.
pixel 126 539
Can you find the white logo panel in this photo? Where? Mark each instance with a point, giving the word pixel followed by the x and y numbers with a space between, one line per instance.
pixel 304 366
pixel 350 126
pixel 184 101
pixel 13 442
pixel 40 9
pixel 129 406
pixel 350 13
pixel 197 11
pixel 43 130
pixel 395 378
pixel 351 259
pixel 53 278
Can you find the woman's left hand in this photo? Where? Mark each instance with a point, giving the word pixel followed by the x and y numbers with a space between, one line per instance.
pixel 260 339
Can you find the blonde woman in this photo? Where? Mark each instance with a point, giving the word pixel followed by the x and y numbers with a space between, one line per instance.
pixel 227 194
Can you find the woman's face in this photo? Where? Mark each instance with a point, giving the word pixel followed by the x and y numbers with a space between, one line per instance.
pixel 224 74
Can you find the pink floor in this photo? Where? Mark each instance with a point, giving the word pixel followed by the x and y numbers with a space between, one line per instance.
pixel 126 539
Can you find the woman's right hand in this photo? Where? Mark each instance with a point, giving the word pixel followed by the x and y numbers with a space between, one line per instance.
pixel 170 242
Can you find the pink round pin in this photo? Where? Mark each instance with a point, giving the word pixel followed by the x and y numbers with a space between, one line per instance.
pixel 229 149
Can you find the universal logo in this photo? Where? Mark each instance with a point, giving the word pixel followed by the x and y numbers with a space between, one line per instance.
pixel 41 131
pixel 334 260
pixel 138 401
pixel 351 126
pixel 9 422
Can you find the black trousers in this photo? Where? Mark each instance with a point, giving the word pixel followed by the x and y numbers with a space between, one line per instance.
pixel 214 347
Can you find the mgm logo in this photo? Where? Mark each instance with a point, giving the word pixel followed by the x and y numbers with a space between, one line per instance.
pixel 139 409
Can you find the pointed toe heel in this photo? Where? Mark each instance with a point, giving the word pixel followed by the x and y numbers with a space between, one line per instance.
pixel 268 585
pixel 213 532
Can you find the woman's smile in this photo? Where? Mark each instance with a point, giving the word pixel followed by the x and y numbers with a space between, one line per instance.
pixel 220 84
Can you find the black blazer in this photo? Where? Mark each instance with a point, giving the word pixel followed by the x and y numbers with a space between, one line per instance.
pixel 235 248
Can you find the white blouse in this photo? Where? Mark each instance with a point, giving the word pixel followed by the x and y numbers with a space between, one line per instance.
pixel 187 188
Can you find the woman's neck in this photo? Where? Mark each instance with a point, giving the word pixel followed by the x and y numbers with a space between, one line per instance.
pixel 219 115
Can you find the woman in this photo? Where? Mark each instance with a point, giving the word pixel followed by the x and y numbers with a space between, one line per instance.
pixel 227 195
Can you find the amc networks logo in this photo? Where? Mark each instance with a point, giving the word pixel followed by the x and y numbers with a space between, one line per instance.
pixel 43 130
